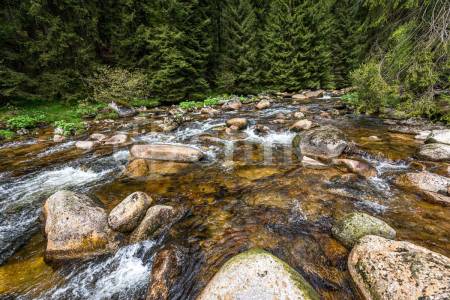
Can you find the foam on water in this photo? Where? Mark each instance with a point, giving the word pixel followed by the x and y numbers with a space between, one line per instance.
pixel 56 149
pixel 122 276
pixel 21 198
pixel 19 144
pixel 272 138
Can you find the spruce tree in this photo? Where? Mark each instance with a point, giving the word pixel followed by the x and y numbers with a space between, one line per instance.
pixel 238 71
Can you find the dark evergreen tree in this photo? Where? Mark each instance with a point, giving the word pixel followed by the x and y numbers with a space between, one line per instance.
pixel 239 71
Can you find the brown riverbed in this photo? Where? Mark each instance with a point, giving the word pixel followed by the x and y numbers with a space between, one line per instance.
pixel 251 192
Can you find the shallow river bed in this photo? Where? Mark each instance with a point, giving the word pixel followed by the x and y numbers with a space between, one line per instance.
pixel 251 191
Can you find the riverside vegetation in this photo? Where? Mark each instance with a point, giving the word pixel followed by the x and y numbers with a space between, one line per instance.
pixel 63 61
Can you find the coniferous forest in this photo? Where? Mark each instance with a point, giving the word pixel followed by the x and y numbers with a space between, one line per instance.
pixel 186 49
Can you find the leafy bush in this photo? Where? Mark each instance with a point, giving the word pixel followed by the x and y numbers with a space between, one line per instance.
pixel 107 114
pixel 211 101
pixel 118 85
pixel 190 104
pixel 88 110
pixel 69 127
pixel 144 102
pixel 6 134
pixel 373 92
pixel 25 121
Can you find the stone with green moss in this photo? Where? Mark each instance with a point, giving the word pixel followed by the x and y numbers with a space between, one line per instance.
pixel 257 274
pixel 357 225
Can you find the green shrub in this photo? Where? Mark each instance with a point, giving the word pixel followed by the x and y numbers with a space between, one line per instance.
pixel 69 128
pixel 25 121
pixel 88 110
pixel 190 104
pixel 118 85
pixel 6 134
pixel 144 102
pixel 107 114
pixel 373 92
pixel 211 101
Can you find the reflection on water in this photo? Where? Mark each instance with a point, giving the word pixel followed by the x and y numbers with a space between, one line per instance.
pixel 251 192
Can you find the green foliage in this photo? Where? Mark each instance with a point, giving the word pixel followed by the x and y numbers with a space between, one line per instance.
pixel 107 114
pixel 190 104
pixel 69 128
pixel 118 85
pixel 211 101
pixel 144 102
pixel 373 93
pixel 6 134
pixel 25 121
pixel 88 110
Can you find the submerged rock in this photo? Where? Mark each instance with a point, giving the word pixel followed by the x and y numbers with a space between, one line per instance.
pixel 257 274
pixel 155 220
pixel 239 123
pixel 263 104
pixel 167 152
pixel 143 167
pixel 325 142
pixel 167 267
pixel 424 181
pixel 434 152
pixel 386 269
pixel 357 225
pixel 75 227
pixel 356 166
pixel 127 214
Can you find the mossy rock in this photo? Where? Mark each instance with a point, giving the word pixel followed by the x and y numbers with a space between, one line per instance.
pixel 357 225
pixel 265 276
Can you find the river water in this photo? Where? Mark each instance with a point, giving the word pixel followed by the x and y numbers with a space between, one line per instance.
pixel 251 191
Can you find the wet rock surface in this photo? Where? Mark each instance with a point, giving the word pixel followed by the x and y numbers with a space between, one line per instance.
pixel 325 142
pixel 177 153
pixel 127 215
pixel 257 274
pixel 386 269
pixel 355 226
pixel 75 227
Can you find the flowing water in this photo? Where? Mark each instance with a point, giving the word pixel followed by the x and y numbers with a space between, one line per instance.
pixel 251 191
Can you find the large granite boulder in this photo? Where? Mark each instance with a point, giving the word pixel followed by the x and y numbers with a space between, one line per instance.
pixel 387 269
pixel 434 152
pixel 127 214
pixel 353 227
pixel 75 227
pixel 325 142
pixel 167 152
pixel 424 181
pixel 439 136
pixel 257 274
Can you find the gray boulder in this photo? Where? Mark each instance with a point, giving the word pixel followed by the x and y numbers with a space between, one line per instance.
pixel 434 152
pixel 127 214
pixel 386 269
pixel 156 219
pixel 75 227
pixel 357 225
pixel 167 152
pixel 257 274
pixel 325 142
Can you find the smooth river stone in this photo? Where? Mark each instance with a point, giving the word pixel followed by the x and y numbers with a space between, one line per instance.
pixel 257 274
pixel 167 152
pixel 127 214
